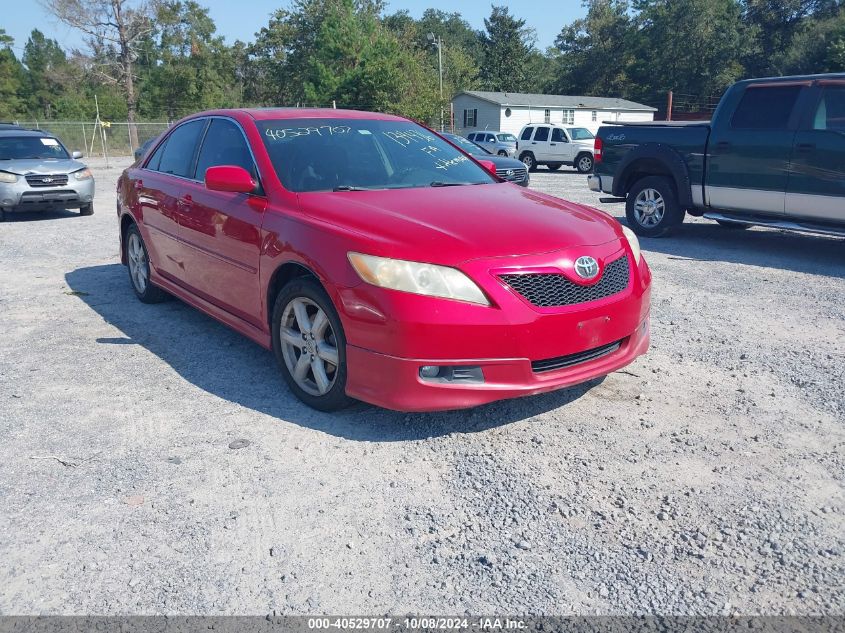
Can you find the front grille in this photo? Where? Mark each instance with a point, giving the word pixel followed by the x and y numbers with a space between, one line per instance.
pixel 517 175
pixel 550 364
pixel 551 290
pixel 47 180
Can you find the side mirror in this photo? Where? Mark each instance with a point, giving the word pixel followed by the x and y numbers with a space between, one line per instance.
pixel 76 154
pixel 229 178
pixel 489 165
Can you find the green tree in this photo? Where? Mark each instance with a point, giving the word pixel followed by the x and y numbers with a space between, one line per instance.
pixel 507 45
pixel 47 74
pixel 11 79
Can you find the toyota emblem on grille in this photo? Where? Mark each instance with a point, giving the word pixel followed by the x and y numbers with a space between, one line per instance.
pixel 586 267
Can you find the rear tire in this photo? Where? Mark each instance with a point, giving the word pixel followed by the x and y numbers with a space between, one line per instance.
pixel 310 345
pixel 652 207
pixel 529 161
pixel 734 226
pixel 584 163
pixel 138 260
pixel 503 153
pixel 554 166
pixel 87 209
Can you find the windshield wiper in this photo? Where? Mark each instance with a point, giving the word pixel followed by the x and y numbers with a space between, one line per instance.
pixel 350 188
pixel 440 183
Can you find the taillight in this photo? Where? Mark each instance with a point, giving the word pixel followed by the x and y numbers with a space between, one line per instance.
pixel 597 147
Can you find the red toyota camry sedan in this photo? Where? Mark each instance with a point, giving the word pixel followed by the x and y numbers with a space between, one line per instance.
pixel 378 261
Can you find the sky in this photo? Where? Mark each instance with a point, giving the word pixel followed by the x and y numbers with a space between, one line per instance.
pixel 234 22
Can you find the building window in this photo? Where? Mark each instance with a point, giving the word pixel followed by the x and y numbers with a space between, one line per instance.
pixel 568 117
pixel 508 112
pixel 595 116
pixel 547 116
pixel 471 117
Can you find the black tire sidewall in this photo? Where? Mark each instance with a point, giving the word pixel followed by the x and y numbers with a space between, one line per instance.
pixel 309 288
pixel 152 293
pixel 533 165
pixel 673 215
pixel 87 209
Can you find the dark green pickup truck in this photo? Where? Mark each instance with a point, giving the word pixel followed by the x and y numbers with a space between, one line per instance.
pixel 773 155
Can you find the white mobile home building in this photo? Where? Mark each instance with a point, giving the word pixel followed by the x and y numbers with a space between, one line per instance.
pixel 510 111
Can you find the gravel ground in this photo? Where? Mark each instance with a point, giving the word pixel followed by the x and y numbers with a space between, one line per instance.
pixel 153 462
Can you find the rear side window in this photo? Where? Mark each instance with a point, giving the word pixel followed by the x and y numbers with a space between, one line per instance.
pixel 830 114
pixel 542 134
pixel 471 136
pixel 224 144
pixel 557 136
pixel 178 155
pixel 526 133
pixel 765 108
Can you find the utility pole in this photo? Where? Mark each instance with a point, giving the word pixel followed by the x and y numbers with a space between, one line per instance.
pixel 438 42
pixel 669 106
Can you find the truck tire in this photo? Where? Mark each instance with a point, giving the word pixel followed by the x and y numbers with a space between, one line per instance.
pixel 652 207
pixel 529 161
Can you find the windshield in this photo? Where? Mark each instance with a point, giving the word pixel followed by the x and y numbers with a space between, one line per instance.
pixel 21 147
pixel 506 138
pixel 465 144
pixel 349 154
pixel 580 134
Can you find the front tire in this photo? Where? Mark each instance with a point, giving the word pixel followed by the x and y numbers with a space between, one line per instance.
pixel 652 207
pixel 138 261
pixel 310 345
pixel 87 209
pixel 584 164
pixel 529 161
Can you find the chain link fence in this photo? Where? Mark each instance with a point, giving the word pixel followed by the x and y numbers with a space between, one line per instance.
pixel 109 139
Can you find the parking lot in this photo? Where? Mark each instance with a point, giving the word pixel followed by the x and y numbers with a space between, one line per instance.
pixel 153 461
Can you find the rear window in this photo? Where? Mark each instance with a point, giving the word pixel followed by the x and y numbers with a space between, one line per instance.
pixel 765 108
pixel 526 133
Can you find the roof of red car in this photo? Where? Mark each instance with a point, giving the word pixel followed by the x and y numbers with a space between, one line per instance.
pixel 263 114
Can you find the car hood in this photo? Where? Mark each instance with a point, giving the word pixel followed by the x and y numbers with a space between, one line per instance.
pixel 41 166
pixel 501 162
pixel 450 225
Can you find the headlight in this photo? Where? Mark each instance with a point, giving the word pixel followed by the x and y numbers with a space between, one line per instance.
pixel 633 241
pixel 83 174
pixel 7 177
pixel 421 279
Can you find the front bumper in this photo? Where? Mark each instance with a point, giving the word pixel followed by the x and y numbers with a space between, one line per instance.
pixel 392 335
pixel 20 196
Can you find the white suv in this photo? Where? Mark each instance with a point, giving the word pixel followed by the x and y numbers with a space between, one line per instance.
pixel 554 145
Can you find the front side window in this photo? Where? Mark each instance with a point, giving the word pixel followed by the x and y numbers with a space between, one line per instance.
pixel 526 134
pixel 766 108
pixel 346 154
pixel 35 147
pixel 830 115
pixel 558 136
pixel 177 158
pixel 542 134
pixel 224 144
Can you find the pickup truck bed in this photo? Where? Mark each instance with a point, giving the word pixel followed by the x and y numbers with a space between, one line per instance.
pixel 774 154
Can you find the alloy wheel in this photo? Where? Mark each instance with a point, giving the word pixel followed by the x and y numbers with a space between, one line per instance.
pixel 309 346
pixel 649 207
pixel 139 266
pixel 585 164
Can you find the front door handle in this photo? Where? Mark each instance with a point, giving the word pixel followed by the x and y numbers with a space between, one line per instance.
pixel 805 147
pixel 553 144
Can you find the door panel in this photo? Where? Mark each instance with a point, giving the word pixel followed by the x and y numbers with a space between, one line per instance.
pixel 748 156
pixel 560 149
pixel 816 188
pixel 540 143
pixel 221 230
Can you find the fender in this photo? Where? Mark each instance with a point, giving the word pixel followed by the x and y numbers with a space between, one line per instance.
pixel 668 157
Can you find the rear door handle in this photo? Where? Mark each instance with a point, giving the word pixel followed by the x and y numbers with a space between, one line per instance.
pixel 553 144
